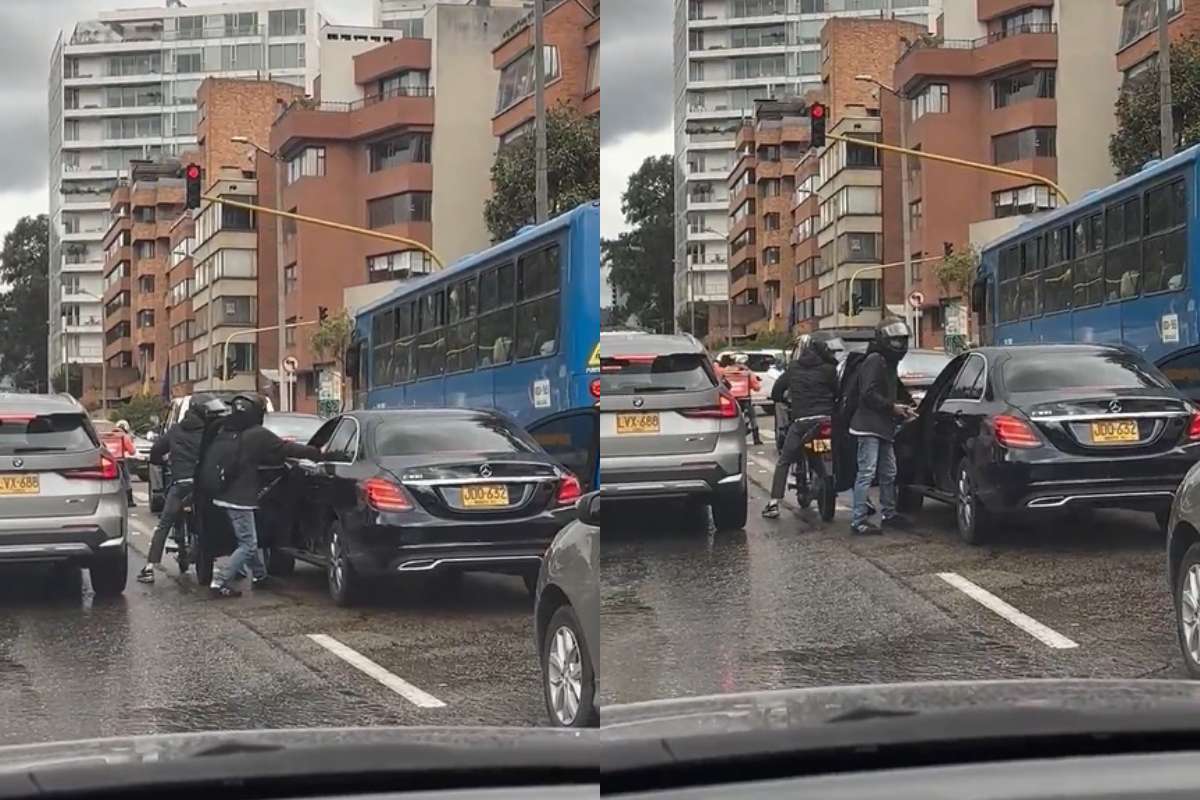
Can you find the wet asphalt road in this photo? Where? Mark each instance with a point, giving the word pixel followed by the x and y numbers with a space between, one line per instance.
pixel 795 602
pixel 167 658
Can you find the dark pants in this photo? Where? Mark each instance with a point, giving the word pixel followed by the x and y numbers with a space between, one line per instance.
pixel 747 405
pixel 177 497
pixel 798 434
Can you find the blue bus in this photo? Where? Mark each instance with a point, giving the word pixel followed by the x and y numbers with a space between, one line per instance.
pixel 1118 266
pixel 514 328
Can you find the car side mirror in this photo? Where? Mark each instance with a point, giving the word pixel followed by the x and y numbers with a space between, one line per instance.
pixel 588 508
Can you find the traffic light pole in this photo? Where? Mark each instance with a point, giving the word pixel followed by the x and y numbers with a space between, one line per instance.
pixel 854 276
pixel 248 332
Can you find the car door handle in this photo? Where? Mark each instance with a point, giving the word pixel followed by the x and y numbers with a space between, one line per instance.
pixel 959 420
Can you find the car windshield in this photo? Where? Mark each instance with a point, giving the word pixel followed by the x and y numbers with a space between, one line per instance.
pixel 1050 371
pixel 27 433
pixel 430 435
pixel 645 374
pixel 293 427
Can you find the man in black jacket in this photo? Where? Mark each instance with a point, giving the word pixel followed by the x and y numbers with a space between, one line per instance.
pixel 809 387
pixel 182 443
pixel 244 445
pixel 882 403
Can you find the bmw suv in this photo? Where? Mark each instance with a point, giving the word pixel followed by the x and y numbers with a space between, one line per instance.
pixel 668 428
pixel 61 498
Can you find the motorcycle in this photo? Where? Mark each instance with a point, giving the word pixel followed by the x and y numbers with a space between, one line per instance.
pixel 813 474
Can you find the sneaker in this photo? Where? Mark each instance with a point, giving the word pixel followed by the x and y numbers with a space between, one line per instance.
pixel 771 511
pixel 223 591
pixel 897 521
pixel 146 575
pixel 865 529
pixel 259 583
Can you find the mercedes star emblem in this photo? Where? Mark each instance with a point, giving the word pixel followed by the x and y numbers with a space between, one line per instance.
pixel 1114 406
pixel 18 462
pixel 638 402
pixel 485 471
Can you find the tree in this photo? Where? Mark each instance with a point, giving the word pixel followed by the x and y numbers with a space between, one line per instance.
pixel 957 270
pixel 330 341
pixel 142 412
pixel 1137 138
pixel 642 259
pixel 69 378
pixel 24 301
pixel 701 316
pixel 572 172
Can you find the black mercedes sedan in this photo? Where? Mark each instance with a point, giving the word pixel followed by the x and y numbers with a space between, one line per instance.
pixel 1031 429
pixel 423 490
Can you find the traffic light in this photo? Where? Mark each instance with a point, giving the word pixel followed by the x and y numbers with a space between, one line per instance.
pixel 855 305
pixel 322 313
pixel 192 176
pixel 816 115
pixel 947 249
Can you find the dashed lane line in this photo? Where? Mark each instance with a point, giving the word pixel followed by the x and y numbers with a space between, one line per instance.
pixel 360 662
pixel 1044 634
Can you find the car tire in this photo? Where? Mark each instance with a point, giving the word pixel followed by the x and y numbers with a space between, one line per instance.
pixel 109 573
pixel 730 511
pixel 280 563
pixel 1187 601
pixel 345 585
pixel 827 503
pixel 973 520
pixel 564 639
pixel 908 500
pixel 157 501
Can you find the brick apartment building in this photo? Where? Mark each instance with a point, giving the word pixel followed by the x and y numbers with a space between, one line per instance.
pixel 572 58
pixel 1136 47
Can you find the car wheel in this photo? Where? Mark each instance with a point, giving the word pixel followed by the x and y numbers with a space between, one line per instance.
pixel 730 511
pixel 568 682
pixel 1163 518
pixel 345 585
pixel 280 563
pixel 974 521
pixel 908 500
pixel 156 503
pixel 1187 609
pixel 110 573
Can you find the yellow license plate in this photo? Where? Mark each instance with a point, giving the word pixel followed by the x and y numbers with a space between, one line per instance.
pixel 637 423
pixel 485 495
pixel 1120 431
pixel 819 445
pixel 20 484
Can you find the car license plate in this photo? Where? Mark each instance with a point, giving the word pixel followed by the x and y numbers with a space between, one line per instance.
pixel 485 495
pixel 637 423
pixel 20 484
pixel 1120 431
pixel 819 445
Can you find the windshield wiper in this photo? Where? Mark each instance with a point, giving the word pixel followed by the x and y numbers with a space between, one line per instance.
pixel 653 389
pixel 871 712
pixel 39 449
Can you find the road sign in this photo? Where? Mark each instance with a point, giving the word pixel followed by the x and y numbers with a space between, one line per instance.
pixel 916 299
pixel 956 323
pixel 290 365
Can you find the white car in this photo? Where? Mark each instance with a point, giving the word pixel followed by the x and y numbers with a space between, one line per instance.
pixel 767 365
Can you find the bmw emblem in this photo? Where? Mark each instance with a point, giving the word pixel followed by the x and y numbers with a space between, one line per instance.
pixel 18 462
pixel 485 471
pixel 638 402
pixel 1114 407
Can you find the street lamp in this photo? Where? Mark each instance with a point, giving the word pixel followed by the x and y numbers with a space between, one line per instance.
pixel 285 395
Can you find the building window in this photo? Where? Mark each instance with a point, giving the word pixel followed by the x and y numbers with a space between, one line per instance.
pixel 757 8
pixel 758 66
pixel 144 249
pixel 593 69
pixel 1023 86
pixel 145 284
pixel 133 127
pixel 764 36
pixel 1141 16
pixel 407 148
pixel 132 96
pixel 145 318
pixel 933 99
pixel 241 24
pixel 860 247
pixel 1026 144
pixel 235 311
pixel 916 215
pixel 240 362
pixel 286 56
pixel 308 163
pixel 289 279
pixel 189 60
pixel 135 64
pixel 769 187
pixel 770 255
pixel 289 333
pixel 1029 20
pixel 771 221
pixel 516 78
pixel 408 83
pixel 289 22
pixel 1023 200
pixel 400 265
pixel 398 208
pixel 409 28
pixel 241 56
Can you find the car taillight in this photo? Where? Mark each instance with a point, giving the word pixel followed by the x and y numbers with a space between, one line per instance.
pixel 106 471
pixel 1194 427
pixel 1014 432
pixel 383 495
pixel 595 387
pixel 727 408
pixel 569 490
pixel 825 431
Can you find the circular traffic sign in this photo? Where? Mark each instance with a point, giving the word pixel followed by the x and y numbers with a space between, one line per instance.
pixel 916 299
pixel 290 365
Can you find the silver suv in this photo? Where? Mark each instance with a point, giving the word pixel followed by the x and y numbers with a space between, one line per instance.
pixel 61 497
pixel 668 429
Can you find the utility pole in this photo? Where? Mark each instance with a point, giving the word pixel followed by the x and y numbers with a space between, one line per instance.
pixel 285 385
pixel 1166 119
pixel 541 188
pixel 905 214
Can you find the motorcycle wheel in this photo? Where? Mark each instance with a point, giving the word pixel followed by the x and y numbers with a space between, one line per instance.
pixel 803 481
pixel 828 500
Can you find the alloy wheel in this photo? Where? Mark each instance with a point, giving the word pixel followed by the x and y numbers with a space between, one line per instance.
pixel 966 507
pixel 1189 611
pixel 564 671
pixel 337 563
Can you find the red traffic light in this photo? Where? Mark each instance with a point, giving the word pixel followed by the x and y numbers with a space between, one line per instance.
pixel 193 172
pixel 817 111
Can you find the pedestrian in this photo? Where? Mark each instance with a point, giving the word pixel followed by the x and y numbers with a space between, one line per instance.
pixel 809 386
pixel 742 384
pixel 228 474
pixel 119 442
pixel 182 444
pixel 881 403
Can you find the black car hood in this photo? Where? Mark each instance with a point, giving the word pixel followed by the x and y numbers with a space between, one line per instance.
pixel 790 709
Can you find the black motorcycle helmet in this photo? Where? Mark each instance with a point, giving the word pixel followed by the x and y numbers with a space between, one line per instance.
pixel 818 343
pixel 248 410
pixel 208 407
pixel 891 338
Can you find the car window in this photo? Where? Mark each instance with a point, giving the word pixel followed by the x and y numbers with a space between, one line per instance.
pixel 323 434
pixel 637 374
pixel 922 366
pixel 1183 370
pixel 415 435
pixel 32 433
pixel 1080 369
pixel 968 384
pixel 341 444
pixel 293 428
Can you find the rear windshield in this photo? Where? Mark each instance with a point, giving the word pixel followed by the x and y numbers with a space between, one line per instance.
pixel 1075 370
pixel 52 433
pixel 760 362
pixel 682 372
pixel 299 429
pixel 922 366
pixel 421 435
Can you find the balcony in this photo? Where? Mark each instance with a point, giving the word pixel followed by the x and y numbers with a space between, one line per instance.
pixel 117 256
pixel 388 59
pixel 115 288
pixel 118 345
pixel 932 56
pixel 707 202
pixel 83 235
pixel 85 325
pixel 990 9
pixel 309 119
pixel 119 225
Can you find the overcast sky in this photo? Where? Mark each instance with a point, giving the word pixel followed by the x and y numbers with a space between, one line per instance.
pixel 637 100
pixel 31 27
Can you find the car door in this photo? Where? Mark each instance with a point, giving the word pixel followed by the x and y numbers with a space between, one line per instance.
pixel 327 480
pixel 956 419
pixel 303 480
pixel 1182 368
pixel 913 442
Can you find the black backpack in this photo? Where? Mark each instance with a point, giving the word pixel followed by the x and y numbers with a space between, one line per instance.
pixel 845 448
pixel 220 463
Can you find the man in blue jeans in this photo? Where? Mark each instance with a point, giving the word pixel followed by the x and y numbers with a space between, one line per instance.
pixel 882 404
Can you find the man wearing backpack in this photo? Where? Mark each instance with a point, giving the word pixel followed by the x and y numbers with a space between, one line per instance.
pixel 229 475
pixel 182 444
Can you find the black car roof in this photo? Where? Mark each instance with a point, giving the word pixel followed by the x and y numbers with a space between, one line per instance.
pixel 1033 349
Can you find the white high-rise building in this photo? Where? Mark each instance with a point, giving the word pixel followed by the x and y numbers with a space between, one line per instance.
pixel 728 53
pixel 123 87
pixel 407 16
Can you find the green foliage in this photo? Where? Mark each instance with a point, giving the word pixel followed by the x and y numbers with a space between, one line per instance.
pixel 642 259
pixel 572 172
pixel 24 301
pixel 768 340
pixel 701 316
pixel 140 412
pixel 1137 139
pixel 955 272
pixel 332 337
pixel 69 378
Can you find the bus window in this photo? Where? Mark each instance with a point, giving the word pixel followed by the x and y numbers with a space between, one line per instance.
pixel 382 335
pixel 1031 265
pixel 1089 262
pixel 1123 261
pixel 1056 279
pixel 431 343
pixel 460 335
pixel 1165 247
pixel 538 302
pixel 404 343
pixel 1010 283
pixel 495 318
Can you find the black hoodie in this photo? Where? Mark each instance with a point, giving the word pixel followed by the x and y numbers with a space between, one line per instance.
pixel 256 447
pixel 879 389
pixel 810 385
pixel 182 441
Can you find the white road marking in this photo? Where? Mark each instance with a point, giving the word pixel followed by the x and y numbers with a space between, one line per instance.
pixel 1046 635
pixel 360 662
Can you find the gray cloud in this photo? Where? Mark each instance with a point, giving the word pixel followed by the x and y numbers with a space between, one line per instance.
pixel 636 68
